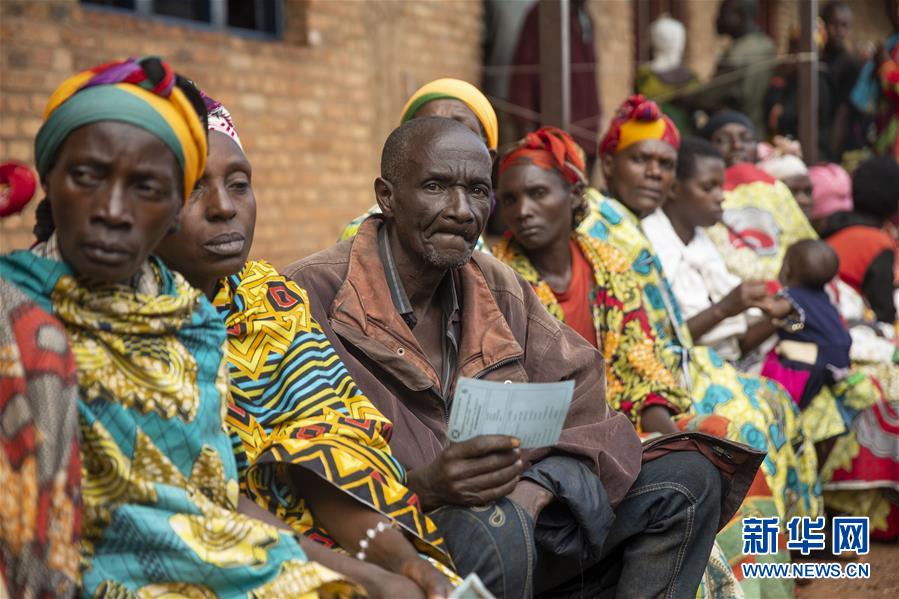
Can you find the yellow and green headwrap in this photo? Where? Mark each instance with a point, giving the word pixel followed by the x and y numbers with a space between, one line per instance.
pixel 455 89
pixel 140 92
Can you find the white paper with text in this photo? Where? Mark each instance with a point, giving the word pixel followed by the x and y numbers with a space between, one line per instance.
pixel 533 412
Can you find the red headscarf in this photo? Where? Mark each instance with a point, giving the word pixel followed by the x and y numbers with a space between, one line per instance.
pixel 638 119
pixel 550 148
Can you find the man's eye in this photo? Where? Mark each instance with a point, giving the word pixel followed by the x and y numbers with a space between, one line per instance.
pixel 433 186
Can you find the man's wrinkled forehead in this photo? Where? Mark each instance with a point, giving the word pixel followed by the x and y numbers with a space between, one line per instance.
pixel 450 150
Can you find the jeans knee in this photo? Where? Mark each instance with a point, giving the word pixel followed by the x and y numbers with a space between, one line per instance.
pixel 495 541
pixel 698 475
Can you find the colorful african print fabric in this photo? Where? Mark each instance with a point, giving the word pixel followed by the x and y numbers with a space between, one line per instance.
pixel 758 503
pixel 636 376
pixel 761 220
pixel 40 468
pixel 353 227
pixel 861 474
pixel 295 404
pixel 159 478
pixel 761 413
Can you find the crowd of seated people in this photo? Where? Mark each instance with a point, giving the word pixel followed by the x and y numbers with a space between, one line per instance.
pixel 185 420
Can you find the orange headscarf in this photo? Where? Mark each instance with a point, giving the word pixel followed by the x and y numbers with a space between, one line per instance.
pixel 638 119
pixel 550 148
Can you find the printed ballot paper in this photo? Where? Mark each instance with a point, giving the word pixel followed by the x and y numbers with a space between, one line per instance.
pixel 533 412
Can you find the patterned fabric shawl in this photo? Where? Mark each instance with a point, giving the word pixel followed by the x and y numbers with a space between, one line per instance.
pixel 40 468
pixel 761 220
pixel 159 477
pixel 295 404
pixel 760 412
pixel 636 376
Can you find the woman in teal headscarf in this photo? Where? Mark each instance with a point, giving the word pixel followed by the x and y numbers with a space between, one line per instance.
pixel 120 149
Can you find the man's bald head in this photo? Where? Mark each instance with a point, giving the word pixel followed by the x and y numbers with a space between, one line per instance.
pixel 417 135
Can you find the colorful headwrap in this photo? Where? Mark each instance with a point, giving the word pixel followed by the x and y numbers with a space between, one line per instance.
pixel 137 91
pixel 638 119
pixel 219 119
pixel 831 190
pixel 549 148
pixel 455 89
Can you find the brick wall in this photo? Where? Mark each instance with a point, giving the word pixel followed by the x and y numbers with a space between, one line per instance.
pixel 312 110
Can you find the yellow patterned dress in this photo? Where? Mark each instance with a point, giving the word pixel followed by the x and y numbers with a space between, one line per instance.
pixel 761 220
pixel 293 404
pixel 637 376
pixel 760 412
pixel 159 479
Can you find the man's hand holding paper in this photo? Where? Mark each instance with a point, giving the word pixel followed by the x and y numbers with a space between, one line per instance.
pixel 489 424
pixel 478 471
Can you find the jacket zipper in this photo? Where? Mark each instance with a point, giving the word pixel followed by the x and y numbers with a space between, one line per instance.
pixel 496 366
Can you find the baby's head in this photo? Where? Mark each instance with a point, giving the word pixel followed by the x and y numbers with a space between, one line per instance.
pixel 809 263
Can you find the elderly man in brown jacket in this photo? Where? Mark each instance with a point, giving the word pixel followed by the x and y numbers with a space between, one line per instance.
pixel 411 308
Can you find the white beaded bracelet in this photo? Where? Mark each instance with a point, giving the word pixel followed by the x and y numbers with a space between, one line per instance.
pixel 370 534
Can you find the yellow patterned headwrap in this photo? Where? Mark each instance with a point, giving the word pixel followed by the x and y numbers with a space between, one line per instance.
pixel 140 92
pixel 456 89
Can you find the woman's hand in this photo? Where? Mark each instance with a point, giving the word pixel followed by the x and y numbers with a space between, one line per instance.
pixel 428 578
pixel 387 585
pixel 747 294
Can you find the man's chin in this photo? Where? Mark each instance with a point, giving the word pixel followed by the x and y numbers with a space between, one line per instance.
pixel 447 259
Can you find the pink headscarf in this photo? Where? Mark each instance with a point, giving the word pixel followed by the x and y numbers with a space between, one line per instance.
pixel 831 190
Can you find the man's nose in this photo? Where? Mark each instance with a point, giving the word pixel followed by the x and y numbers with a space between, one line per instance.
pixel 459 204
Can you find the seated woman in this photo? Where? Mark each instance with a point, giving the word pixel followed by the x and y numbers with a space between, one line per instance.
pixel 118 153
pixel 590 285
pixel 453 99
pixel 715 302
pixel 310 447
pixel 761 217
pixel 639 160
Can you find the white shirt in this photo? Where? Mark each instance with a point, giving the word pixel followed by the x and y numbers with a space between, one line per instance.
pixel 699 279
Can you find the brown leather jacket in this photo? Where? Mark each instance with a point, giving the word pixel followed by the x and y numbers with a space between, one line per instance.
pixel 506 335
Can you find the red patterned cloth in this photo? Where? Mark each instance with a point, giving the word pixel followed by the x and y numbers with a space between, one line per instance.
pixel 40 467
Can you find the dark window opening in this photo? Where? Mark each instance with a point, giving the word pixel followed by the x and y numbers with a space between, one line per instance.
pixel 262 16
pixel 193 10
pixel 258 15
pixel 128 4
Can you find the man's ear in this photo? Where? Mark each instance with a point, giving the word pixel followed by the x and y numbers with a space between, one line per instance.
pixel 384 196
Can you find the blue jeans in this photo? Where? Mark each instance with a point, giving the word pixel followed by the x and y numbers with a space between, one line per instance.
pixel 658 545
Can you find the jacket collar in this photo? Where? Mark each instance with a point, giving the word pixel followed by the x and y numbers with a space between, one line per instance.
pixel 364 314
